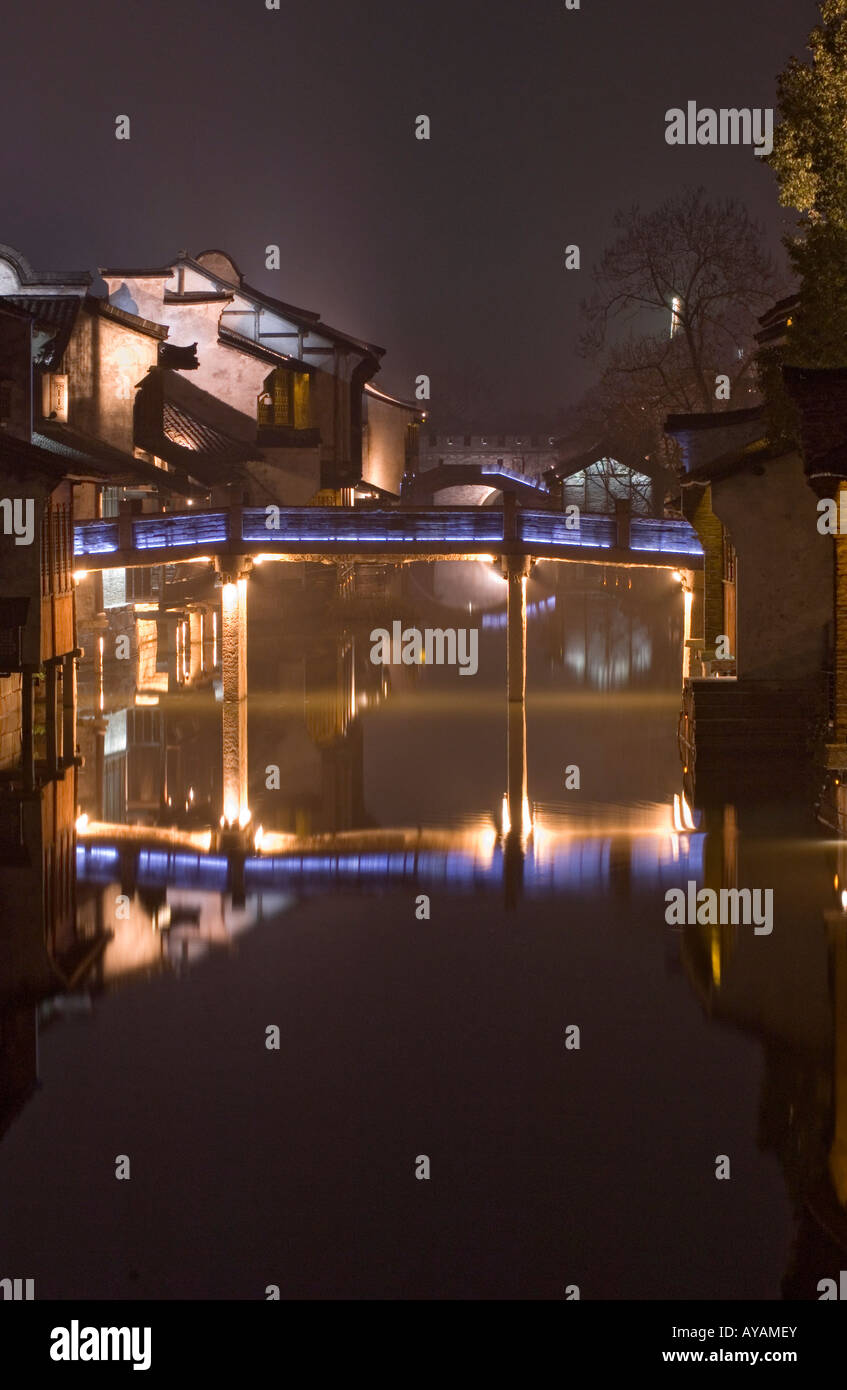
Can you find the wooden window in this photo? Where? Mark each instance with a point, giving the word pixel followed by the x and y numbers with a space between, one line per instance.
pixel 285 400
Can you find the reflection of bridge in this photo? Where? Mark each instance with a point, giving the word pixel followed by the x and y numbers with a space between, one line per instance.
pixel 401 533
pixel 556 861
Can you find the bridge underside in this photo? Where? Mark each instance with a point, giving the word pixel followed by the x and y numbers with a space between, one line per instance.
pixel 331 554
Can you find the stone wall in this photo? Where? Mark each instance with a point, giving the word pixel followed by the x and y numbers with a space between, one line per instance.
pixel 105 360
pixel 384 445
pixel 784 570
pixel 708 613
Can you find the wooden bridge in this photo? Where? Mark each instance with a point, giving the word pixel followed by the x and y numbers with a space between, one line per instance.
pixel 393 533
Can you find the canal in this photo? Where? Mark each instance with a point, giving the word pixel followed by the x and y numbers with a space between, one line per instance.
pixel 396 1039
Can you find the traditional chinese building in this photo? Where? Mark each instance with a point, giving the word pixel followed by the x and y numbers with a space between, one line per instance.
pixel 294 407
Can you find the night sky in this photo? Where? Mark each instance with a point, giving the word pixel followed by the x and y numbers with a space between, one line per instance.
pixel 296 127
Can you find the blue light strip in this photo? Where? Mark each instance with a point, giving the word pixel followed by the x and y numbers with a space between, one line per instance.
pixel 340 526
pixel 581 865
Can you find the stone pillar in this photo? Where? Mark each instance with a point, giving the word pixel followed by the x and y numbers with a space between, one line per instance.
pixel 234 715
pixel 517 569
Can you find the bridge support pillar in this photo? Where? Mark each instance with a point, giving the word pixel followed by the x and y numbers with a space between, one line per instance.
pixel 236 810
pixel 517 822
pixel 516 569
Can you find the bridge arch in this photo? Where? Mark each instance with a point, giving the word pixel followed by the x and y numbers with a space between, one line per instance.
pixel 422 487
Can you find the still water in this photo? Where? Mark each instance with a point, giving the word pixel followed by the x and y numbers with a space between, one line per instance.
pixel 137 1002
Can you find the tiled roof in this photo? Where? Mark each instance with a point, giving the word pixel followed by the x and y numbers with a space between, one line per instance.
pixel 712 419
pixel 57 311
pixel 28 276
pixel 196 296
pixel 380 395
pixel 186 430
pixel 779 309
pixel 96 305
pixel 179 422
pixel 88 457
pixel 108 273
pixel 749 459
pixel 307 317
pixel 34 456
pixel 774 323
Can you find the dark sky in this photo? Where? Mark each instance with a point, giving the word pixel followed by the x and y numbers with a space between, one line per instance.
pixel 296 127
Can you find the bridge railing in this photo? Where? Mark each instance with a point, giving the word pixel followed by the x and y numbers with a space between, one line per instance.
pixel 337 524
pixel 660 535
pixel 297 527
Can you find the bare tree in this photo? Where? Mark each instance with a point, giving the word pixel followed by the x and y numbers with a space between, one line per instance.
pixel 692 277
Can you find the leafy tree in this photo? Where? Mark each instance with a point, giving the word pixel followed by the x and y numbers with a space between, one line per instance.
pixel 809 159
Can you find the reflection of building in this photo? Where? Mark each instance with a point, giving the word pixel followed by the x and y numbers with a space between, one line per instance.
pixel 146 756
pixel 789 990
pixel 45 949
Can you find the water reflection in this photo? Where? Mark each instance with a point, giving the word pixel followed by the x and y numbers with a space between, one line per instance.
pixel 200 806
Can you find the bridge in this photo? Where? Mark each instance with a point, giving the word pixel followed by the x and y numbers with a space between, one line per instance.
pixel 235 537
pixel 422 487
pixel 398 533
